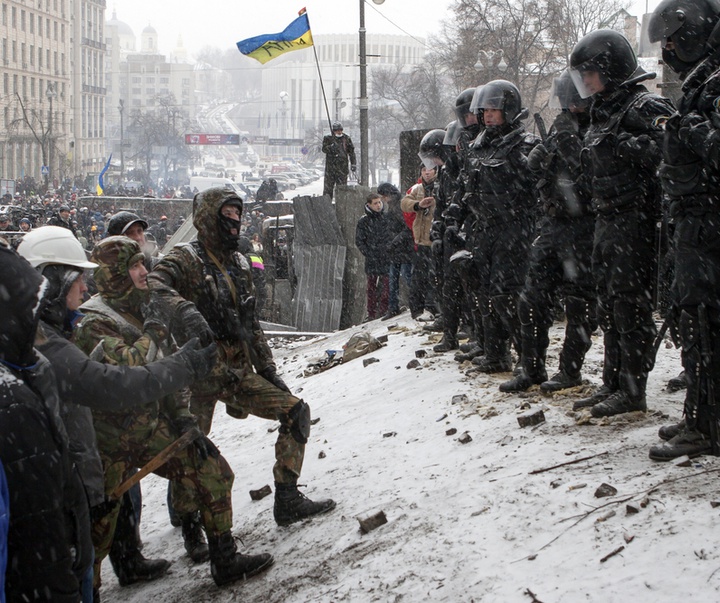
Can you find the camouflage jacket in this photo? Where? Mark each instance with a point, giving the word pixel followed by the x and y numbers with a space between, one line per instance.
pixel 189 273
pixel 112 332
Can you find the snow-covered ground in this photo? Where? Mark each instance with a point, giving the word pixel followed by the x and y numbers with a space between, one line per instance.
pixel 465 522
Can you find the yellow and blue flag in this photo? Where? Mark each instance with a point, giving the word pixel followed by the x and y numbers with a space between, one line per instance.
pixel 295 36
pixel 101 184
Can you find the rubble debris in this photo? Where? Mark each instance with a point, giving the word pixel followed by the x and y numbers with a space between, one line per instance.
pixel 413 364
pixel 465 438
pixel 372 521
pixel 369 361
pixel 260 493
pixel 605 490
pixel 533 417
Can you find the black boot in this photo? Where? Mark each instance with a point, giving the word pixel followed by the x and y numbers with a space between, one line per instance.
pixel 291 505
pixel 688 442
pixel 522 382
pixel 195 543
pixel 677 383
pixel 473 351
pixel 668 432
pixel 580 317
pixel 127 561
pixel 435 326
pixel 560 381
pixel 448 343
pixel 227 565
pixel 600 394
pixel 133 567
pixel 618 403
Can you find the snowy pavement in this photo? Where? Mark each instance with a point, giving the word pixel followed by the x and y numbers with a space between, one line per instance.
pixel 465 521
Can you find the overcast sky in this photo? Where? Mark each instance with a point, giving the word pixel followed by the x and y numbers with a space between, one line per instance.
pixel 222 23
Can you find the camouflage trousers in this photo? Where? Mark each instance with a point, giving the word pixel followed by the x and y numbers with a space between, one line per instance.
pixel 206 484
pixel 253 395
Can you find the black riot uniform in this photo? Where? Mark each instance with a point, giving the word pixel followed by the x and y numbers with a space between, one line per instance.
pixel 690 176
pixel 500 197
pixel 622 149
pixel 560 260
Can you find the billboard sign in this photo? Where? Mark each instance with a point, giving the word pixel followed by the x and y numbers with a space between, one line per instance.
pixel 218 139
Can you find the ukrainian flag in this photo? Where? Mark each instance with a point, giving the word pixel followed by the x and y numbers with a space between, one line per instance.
pixel 295 36
pixel 101 185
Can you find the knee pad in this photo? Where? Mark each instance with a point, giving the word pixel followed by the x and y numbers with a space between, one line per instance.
pixel 505 305
pixel 688 330
pixel 299 418
pixel 630 316
pixel 604 317
pixel 580 311
pixel 526 311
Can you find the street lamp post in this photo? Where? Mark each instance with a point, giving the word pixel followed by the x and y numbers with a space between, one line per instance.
pixel 121 108
pixel 50 93
pixel 363 103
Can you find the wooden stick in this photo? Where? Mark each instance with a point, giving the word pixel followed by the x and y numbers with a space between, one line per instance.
pixel 580 460
pixel 157 461
pixel 620 549
pixel 530 593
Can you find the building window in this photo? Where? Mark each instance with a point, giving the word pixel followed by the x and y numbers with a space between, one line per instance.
pixel 31 18
pixel 32 54
pixel 22 20
pixel 13 21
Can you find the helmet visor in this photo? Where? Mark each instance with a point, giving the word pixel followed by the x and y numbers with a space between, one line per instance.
pixel 564 94
pixel 452 134
pixel 588 79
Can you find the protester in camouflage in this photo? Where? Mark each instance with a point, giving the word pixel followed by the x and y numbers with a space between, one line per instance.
pixel 113 331
pixel 205 288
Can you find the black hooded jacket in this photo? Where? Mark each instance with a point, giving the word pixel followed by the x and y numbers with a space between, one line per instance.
pixel 49 545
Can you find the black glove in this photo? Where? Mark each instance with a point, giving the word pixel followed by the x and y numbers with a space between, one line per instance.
pixel 270 374
pixel 693 129
pixel 199 361
pixel 437 247
pixel 203 445
pixel 565 122
pixel 536 158
pixel 188 323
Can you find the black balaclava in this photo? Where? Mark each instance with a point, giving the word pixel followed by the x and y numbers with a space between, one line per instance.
pixel 229 239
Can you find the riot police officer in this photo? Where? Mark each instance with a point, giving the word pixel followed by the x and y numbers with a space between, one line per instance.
pixel 561 253
pixel 623 151
pixel 500 197
pixel 688 31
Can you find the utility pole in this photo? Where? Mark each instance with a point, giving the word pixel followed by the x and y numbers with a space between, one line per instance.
pixel 121 107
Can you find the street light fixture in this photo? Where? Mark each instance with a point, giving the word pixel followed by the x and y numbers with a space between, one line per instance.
pixel 363 103
pixel 489 61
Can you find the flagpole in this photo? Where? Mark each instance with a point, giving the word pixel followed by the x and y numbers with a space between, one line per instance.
pixel 322 85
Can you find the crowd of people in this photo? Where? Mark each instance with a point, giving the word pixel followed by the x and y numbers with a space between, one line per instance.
pixel 501 227
pixel 510 230
pixel 164 338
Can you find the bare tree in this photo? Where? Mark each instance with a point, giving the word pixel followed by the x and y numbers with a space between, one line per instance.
pixel 33 125
pixel 535 37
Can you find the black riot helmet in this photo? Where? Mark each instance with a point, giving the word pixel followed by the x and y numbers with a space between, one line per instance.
pixel 608 53
pixel 692 27
pixel 432 151
pixel 564 94
pixel 452 134
pixel 462 106
pixel 498 94
pixel 122 220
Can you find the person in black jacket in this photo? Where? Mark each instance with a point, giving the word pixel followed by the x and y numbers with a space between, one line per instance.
pixel 401 247
pixel 339 150
pixel 49 547
pixel 560 260
pixel 371 238
pixel 623 147
pixel 61 260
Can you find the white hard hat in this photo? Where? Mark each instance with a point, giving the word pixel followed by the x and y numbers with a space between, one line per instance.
pixel 53 245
